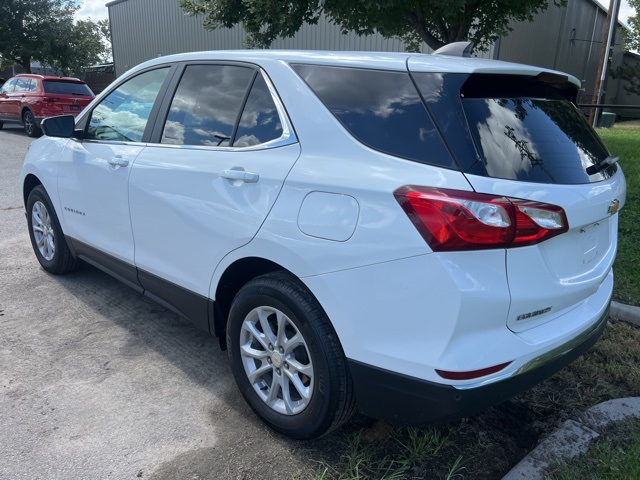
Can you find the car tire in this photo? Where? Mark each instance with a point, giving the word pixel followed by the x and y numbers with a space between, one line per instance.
pixel 286 358
pixel 46 235
pixel 30 124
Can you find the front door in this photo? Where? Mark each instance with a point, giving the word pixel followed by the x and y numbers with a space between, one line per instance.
pixel 94 174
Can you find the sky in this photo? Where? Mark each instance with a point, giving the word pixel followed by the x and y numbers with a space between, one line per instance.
pixel 97 11
pixel 94 9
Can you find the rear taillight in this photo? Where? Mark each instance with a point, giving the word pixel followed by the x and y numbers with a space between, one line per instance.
pixel 452 220
pixel 49 99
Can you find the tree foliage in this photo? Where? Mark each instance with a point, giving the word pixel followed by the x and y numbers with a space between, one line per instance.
pixel 631 71
pixel 434 22
pixel 45 31
pixel 632 40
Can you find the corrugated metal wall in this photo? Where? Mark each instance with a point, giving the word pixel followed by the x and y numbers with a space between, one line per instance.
pixel 566 38
pixel 563 38
pixel 144 29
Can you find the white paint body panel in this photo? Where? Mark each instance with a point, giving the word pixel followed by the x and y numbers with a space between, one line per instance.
pixel 328 215
pixel 324 210
pixel 564 270
pixel 186 217
pixel 94 195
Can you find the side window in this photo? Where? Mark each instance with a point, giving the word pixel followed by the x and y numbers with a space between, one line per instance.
pixel 123 114
pixel 206 105
pixel 22 85
pixel 381 109
pixel 260 122
pixel 33 84
pixel 9 86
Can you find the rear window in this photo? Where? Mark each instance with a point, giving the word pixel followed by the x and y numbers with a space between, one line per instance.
pixel 515 127
pixel 535 140
pixel 66 88
pixel 381 109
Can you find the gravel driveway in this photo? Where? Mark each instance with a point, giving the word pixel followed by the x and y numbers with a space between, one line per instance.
pixel 98 382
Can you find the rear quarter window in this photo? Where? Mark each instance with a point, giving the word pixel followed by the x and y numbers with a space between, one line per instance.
pixel 381 109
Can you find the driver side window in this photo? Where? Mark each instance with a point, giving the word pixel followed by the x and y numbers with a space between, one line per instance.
pixel 123 114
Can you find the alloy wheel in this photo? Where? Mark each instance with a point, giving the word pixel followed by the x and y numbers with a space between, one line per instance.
pixel 276 360
pixel 43 230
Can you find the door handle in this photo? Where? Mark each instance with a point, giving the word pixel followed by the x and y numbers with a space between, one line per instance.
pixel 118 161
pixel 241 175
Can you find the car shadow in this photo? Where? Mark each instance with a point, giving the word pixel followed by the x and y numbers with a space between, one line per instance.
pixel 198 355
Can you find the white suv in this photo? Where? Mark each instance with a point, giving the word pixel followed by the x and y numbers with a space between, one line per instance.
pixel 415 236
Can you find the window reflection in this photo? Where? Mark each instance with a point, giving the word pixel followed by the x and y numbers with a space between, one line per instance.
pixel 123 114
pixel 206 105
pixel 381 109
pixel 535 140
pixel 260 122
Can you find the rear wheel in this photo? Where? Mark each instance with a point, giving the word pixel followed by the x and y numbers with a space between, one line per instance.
pixel 46 235
pixel 286 358
pixel 30 125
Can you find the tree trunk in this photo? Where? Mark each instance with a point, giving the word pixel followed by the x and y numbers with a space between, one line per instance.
pixel 25 62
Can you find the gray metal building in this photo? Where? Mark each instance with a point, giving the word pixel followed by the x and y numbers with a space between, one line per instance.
pixel 563 38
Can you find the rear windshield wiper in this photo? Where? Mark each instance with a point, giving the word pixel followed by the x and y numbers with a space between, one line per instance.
pixel 598 167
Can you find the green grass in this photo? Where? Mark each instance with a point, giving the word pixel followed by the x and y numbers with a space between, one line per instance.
pixel 616 457
pixel 624 140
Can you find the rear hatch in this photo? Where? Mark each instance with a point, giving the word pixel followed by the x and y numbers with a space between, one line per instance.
pixel 66 96
pixel 519 135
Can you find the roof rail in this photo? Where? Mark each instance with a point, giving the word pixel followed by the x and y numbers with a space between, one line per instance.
pixel 456 49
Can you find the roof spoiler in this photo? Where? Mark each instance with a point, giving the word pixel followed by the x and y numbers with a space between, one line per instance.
pixel 456 49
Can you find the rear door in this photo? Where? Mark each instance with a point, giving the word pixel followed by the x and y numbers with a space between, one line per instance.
pixel 220 156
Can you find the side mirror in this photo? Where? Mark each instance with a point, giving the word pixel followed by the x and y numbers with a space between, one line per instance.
pixel 62 126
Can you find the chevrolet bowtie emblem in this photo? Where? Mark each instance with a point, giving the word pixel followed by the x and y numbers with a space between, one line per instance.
pixel 613 207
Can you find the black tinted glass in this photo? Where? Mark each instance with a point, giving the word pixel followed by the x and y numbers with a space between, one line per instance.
pixel 66 88
pixel 206 105
pixel 260 122
pixel 535 140
pixel 382 109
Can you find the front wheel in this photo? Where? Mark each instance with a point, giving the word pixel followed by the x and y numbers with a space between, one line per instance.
pixel 46 235
pixel 30 124
pixel 286 358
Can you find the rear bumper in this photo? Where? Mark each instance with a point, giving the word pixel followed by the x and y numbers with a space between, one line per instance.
pixel 406 400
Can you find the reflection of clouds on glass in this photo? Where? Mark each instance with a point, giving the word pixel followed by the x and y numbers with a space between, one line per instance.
pixel 499 147
pixel 260 122
pixel 246 141
pixel 124 112
pixel 431 86
pixel 358 94
pixel 100 113
pixel 204 133
pixel 173 133
pixel 208 101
